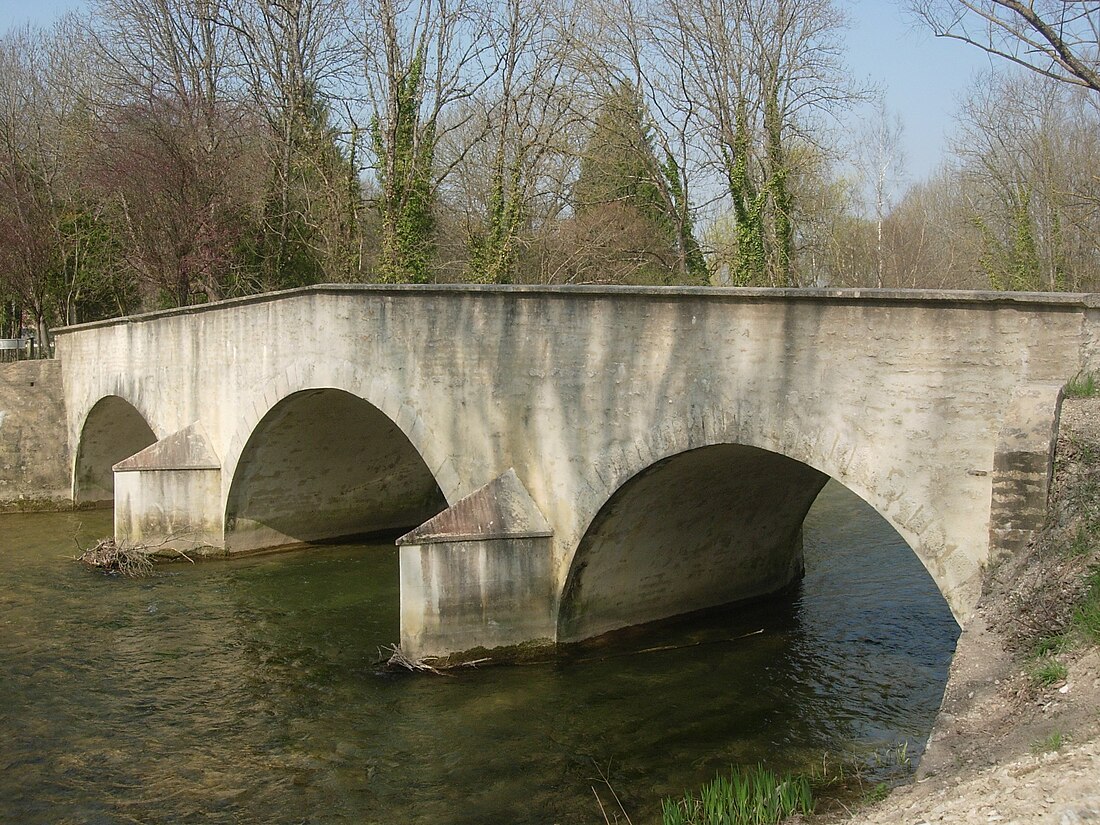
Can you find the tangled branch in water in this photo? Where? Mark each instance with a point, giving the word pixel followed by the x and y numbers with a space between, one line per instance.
pixel 118 559
pixel 125 559
pixel 394 657
pixel 397 658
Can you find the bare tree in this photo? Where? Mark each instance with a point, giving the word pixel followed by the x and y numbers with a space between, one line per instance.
pixel 1056 38
pixel 629 45
pixel 880 160
pixel 1028 155
pixel 170 112
pixel 52 237
pixel 295 59
pixel 421 59
pixel 755 80
pixel 524 114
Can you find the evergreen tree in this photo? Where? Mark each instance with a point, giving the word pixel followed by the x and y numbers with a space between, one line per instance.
pixel 622 183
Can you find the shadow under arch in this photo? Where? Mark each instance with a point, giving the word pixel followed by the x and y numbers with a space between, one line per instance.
pixel 702 528
pixel 113 430
pixel 323 464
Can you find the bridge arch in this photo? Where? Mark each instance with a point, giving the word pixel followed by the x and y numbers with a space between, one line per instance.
pixel 323 462
pixel 112 430
pixel 692 489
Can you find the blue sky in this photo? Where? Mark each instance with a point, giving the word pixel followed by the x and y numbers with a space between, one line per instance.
pixel 922 76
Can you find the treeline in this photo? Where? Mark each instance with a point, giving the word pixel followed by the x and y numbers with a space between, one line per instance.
pixel 160 153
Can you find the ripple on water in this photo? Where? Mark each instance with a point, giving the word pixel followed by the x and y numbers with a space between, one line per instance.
pixel 247 690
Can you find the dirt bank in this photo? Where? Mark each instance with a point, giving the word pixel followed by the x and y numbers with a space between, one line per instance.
pixel 1008 747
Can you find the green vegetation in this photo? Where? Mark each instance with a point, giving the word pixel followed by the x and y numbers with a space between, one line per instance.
pixel 1082 385
pixel 1083 628
pixel 1049 645
pixel 896 756
pixel 1086 618
pixel 404 152
pixel 1051 743
pixel 622 187
pixel 1048 671
pixel 878 793
pixel 1081 544
pixel 748 796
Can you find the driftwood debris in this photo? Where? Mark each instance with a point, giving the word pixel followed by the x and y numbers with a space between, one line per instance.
pixel 394 657
pixel 132 560
pixel 119 559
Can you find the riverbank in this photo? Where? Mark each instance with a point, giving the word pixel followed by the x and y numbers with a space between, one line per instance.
pixel 1018 737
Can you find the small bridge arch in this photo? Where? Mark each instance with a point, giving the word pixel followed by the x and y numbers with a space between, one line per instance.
pixel 113 429
pixel 324 463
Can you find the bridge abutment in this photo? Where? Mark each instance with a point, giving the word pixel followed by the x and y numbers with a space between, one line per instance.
pixel 1023 467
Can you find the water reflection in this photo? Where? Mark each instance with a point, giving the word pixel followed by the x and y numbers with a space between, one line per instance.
pixel 247 691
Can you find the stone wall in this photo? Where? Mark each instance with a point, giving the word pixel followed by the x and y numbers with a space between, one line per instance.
pixel 34 450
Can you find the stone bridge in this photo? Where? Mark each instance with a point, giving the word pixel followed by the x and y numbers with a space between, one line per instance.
pixel 576 460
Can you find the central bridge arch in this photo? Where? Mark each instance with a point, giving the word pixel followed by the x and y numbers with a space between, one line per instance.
pixel 324 463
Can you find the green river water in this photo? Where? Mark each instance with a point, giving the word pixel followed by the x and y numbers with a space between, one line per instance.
pixel 248 691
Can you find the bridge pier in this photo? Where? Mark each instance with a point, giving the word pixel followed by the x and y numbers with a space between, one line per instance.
pixel 169 494
pixel 478 575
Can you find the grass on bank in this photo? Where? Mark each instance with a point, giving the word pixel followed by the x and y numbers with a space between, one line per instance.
pixel 1049 744
pixel 747 796
pixel 1047 671
pixel 1082 385
pixel 757 795
pixel 1083 629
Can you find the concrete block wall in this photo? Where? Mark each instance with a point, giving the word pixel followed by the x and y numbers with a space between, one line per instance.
pixel 34 450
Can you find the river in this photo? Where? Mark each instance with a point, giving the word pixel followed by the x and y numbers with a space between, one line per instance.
pixel 249 690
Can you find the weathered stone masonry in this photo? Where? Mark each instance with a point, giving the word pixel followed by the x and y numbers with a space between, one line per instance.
pixel 665 443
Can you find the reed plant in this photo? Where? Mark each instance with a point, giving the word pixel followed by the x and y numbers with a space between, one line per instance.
pixel 747 796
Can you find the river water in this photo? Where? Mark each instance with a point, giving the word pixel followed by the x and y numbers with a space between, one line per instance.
pixel 248 691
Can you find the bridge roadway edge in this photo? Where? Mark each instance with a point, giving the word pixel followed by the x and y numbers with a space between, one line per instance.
pixel 618 459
